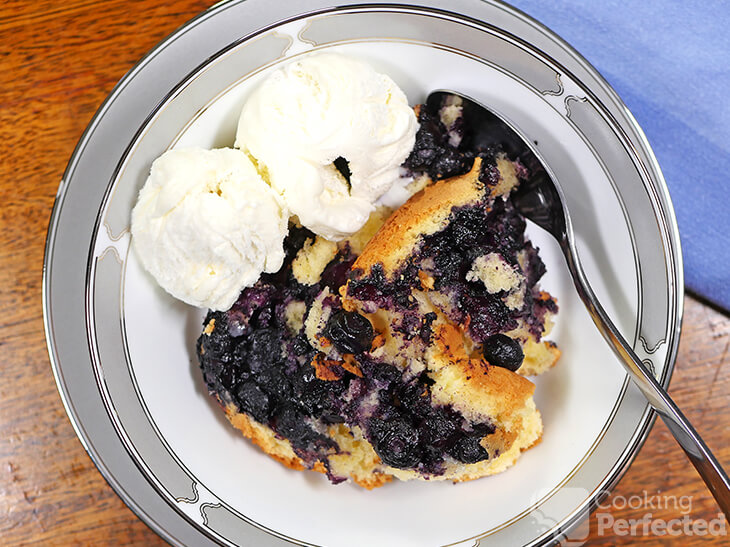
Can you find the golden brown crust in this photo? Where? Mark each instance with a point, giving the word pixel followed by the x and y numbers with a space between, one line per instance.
pixel 479 373
pixel 376 480
pixel 423 214
pixel 472 383
pixel 326 369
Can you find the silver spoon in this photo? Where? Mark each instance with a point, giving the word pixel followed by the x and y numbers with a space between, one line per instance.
pixel 541 200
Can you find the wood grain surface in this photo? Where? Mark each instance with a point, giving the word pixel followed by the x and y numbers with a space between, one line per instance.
pixel 59 61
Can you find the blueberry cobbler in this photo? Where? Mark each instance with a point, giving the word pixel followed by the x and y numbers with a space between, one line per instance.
pixel 402 350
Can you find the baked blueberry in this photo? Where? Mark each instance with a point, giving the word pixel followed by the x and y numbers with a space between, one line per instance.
pixel 350 332
pixel 469 450
pixel 439 429
pixel 395 441
pixel 254 401
pixel 502 351
pixel 264 348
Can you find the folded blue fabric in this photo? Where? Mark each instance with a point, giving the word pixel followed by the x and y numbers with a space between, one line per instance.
pixel 670 63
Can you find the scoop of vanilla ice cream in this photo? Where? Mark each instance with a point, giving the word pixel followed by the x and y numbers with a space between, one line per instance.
pixel 206 225
pixel 315 110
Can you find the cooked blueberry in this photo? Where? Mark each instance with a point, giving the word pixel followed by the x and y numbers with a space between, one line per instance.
pixel 429 142
pixel 432 151
pixel 335 274
pixel 503 351
pixel 449 163
pixel 237 323
pixel 535 267
pixel 253 401
pixel 274 383
pixel 395 441
pixel 218 343
pixel 251 299
pixel 367 292
pixel 483 429
pixel 221 377
pixel 289 423
pixel 263 317
pixel 439 429
pixel 350 332
pixel 489 173
pixel 510 227
pixel 240 356
pixel 468 227
pixel 382 375
pixel 264 349
pixel 300 345
pixel 414 397
pixel 468 450
pixel 311 393
pixel 409 325
pixel 448 266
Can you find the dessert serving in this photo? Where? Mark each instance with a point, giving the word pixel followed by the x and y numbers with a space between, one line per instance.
pixel 374 302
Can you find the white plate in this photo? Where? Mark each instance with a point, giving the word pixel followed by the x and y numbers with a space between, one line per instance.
pixel 123 351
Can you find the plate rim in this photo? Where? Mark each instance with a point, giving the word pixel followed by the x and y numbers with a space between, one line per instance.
pixel 663 209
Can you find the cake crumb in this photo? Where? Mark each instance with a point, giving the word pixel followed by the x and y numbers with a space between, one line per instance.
pixel 210 327
pixel 294 314
pixel 358 240
pixel 507 177
pixel 492 270
pixel 312 259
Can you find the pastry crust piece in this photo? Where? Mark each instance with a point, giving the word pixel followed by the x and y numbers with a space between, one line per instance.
pixel 424 213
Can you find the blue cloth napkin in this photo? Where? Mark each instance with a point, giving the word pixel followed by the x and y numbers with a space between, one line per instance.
pixel 670 63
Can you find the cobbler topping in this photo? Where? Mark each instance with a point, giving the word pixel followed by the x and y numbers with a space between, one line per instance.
pixel 496 274
pixel 448 256
pixel 293 357
pixel 478 237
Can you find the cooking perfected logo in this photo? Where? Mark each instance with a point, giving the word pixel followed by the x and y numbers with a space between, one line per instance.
pixel 544 521
pixel 603 522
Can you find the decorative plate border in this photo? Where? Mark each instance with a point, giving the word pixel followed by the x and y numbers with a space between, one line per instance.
pixel 659 206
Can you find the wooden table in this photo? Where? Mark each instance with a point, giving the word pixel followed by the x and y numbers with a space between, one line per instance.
pixel 59 61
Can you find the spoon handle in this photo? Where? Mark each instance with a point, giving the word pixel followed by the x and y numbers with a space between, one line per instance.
pixel 697 451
